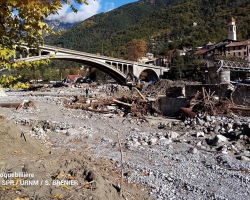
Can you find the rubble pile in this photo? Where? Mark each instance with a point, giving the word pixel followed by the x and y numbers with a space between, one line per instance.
pixel 150 138
pixel 160 87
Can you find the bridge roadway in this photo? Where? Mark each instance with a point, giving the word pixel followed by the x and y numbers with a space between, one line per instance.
pixel 116 68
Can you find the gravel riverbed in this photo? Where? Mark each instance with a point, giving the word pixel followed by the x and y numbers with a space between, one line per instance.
pixel 203 158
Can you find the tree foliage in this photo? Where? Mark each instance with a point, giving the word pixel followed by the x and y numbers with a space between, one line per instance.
pixel 178 67
pixel 23 22
pixel 135 49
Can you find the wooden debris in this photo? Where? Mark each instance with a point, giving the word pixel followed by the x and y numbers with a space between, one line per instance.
pixel 126 104
pixel 141 95
pixel 240 108
pixel 207 103
pixel 136 105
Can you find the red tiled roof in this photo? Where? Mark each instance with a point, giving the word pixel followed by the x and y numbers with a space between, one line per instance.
pixel 233 44
pixel 201 51
pixel 72 77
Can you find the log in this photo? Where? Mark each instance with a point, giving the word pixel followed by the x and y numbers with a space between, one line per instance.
pixel 141 95
pixel 126 104
pixel 240 108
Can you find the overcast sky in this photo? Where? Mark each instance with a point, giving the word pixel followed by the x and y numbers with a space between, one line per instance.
pixel 85 11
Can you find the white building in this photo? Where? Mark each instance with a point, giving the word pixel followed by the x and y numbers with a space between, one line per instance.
pixel 232 30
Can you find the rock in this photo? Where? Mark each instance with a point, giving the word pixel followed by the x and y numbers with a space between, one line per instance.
pixel 193 150
pixel 128 174
pixel 217 129
pixel 153 141
pixel 219 138
pixel 224 150
pixel 165 141
pixel 246 152
pixel 245 158
pixel 208 118
pixel 199 144
pixel 161 126
pixel 229 126
pixel 172 135
pixel 200 134
pixel 111 108
pixel 199 121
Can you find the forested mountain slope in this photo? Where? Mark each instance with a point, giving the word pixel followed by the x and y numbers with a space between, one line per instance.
pixel 96 32
pixel 158 22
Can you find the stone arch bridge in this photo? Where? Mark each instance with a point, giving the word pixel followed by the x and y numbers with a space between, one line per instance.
pixel 116 68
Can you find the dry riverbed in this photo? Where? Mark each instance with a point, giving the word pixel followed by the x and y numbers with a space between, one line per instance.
pixel 161 157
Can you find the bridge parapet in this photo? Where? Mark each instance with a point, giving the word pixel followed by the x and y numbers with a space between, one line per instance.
pixel 233 65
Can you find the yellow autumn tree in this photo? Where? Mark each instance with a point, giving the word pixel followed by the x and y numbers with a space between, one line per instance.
pixel 22 21
pixel 136 48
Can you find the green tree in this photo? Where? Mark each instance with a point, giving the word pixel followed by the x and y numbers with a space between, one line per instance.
pixel 178 67
pixel 51 74
pixel 23 22
pixel 192 64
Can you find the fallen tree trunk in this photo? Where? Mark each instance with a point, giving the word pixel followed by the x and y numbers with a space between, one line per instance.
pixel 240 108
pixel 126 104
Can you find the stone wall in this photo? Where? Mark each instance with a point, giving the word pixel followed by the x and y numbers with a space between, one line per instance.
pixel 241 95
pixel 170 106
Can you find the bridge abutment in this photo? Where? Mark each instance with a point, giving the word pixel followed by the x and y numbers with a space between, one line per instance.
pixel 224 76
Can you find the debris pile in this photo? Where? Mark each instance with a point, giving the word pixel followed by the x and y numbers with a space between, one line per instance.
pixel 133 104
pixel 207 103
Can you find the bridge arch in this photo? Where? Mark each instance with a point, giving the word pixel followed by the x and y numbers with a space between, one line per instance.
pixel 110 70
pixel 151 75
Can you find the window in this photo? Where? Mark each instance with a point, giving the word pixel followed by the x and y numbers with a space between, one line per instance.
pixel 239 53
pixel 245 47
pixel 233 48
pixel 245 53
pixel 234 53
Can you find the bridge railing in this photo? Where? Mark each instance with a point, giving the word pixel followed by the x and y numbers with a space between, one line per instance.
pixel 232 65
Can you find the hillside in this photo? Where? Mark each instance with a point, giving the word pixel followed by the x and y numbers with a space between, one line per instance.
pixel 98 30
pixel 158 20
